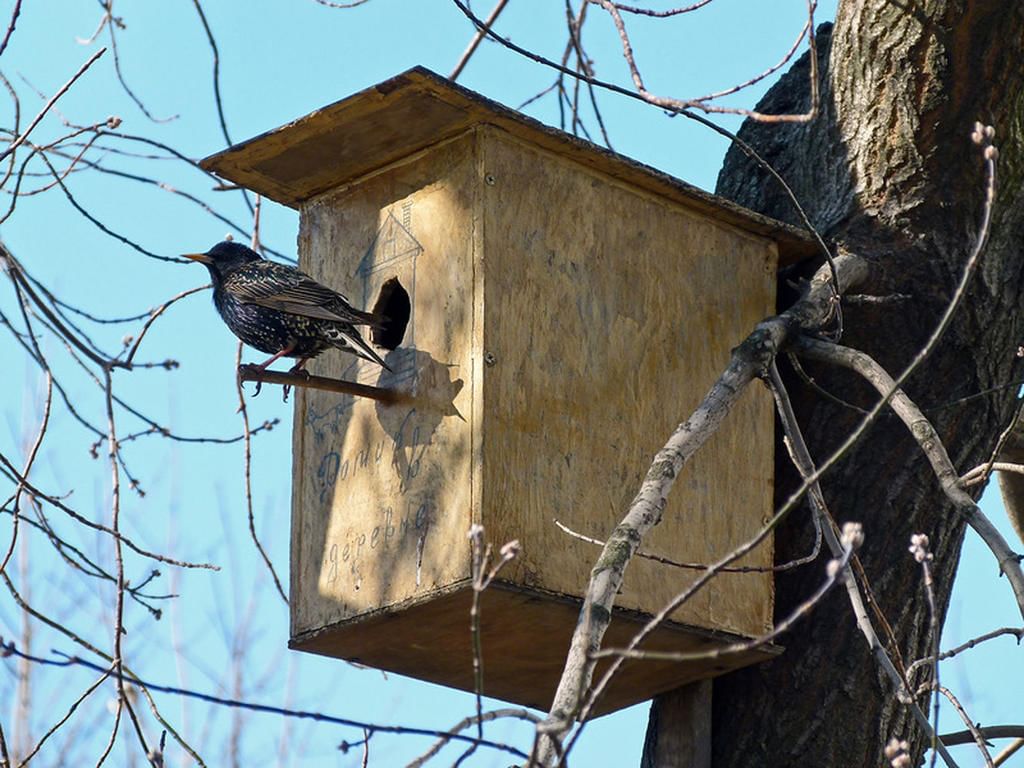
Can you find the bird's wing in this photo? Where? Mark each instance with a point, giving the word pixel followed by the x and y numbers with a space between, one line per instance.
pixel 284 288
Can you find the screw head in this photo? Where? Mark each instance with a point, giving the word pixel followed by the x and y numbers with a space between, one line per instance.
pixel 489 359
pixel 489 180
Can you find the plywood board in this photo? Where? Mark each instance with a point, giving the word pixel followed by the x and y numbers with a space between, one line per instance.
pixel 382 494
pixel 609 313
pixel 522 633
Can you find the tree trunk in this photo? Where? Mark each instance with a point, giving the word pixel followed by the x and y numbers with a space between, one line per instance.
pixel 888 170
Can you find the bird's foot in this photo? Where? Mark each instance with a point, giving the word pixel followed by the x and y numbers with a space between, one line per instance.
pixel 248 368
pixel 295 370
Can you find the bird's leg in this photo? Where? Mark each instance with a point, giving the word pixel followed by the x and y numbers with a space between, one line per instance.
pixel 283 353
pixel 263 366
pixel 296 369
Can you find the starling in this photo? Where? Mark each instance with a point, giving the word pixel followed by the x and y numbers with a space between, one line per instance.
pixel 281 311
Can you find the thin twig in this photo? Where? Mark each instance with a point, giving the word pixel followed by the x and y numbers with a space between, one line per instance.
pixel 657 14
pixel 53 729
pixel 1009 751
pixel 480 35
pixel 218 100
pixel 100 225
pixel 454 734
pixel 979 474
pixel 120 75
pixel 1017 632
pixel 248 478
pixel 987 732
pixel 10 26
pixel 153 315
pixel 483 573
pixel 979 738
pixel 701 566
pixel 518 714
pixel 56 502
pixel 919 549
pixel 53 100
pixel 701 103
pixel 351 4
pixel 29 461
pixel 834 574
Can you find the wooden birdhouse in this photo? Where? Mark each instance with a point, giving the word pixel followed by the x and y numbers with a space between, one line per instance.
pixel 566 307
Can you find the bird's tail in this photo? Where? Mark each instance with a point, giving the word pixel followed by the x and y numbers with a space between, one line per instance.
pixel 346 337
pixel 374 320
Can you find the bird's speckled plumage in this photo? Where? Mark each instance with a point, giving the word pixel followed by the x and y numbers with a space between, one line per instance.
pixel 280 310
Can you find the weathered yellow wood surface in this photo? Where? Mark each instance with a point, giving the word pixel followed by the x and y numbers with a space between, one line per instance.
pixel 609 314
pixel 382 496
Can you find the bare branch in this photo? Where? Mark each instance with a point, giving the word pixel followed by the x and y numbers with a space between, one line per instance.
pixel 480 35
pixel 834 574
pixel 1017 632
pixel 56 726
pixel 29 461
pixel 987 731
pixel 518 714
pixel 1009 751
pixel 10 26
pixel 248 479
pixel 53 100
pixel 454 734
pixel 805 466
pixel 352 4
pixel 975 731
pixel 931 445
pixel 701 566
pixel 701 103
pixel 656 14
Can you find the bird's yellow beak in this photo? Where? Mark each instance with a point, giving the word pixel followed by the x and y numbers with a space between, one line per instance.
pixel 202 258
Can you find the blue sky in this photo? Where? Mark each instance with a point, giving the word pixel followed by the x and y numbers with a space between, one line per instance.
pixel 279 61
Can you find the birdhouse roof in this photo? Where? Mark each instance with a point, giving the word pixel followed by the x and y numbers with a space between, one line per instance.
pixel 345 140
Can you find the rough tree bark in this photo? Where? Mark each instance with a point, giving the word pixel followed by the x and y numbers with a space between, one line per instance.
pixel 888 170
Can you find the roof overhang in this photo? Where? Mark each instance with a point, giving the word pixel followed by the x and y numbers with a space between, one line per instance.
pixel 371 129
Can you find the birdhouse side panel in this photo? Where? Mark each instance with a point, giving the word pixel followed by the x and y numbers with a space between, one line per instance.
pixel 383 497
pixel 608 313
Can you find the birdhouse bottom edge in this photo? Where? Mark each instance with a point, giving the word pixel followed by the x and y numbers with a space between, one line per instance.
pixel 525 634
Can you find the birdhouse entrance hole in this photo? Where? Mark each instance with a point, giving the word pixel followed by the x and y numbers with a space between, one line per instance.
pixel 393 305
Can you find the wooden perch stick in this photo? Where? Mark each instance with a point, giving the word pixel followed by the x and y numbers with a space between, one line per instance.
pixel 388 396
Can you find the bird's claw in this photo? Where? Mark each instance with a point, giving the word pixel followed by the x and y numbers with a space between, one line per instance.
pixel 243 368
pixel 295 370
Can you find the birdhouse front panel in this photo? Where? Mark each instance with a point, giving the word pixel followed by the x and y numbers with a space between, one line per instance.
pixel 608 314
pixel 383 494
